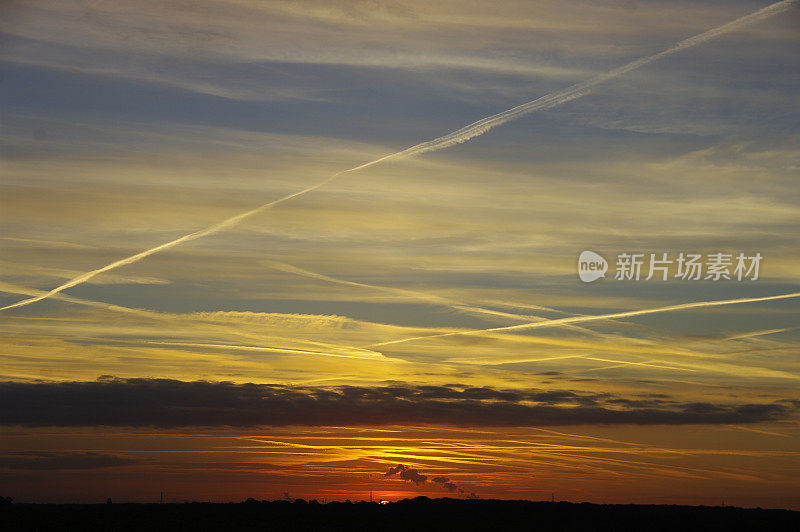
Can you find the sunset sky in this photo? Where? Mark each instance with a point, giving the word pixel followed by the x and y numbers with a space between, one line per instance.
pixel 317 343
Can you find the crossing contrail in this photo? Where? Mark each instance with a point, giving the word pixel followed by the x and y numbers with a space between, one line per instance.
pixel 236 347
pixel 427 297
pixel 583 319
pixel 432 299
pixel 338 350
pixel 475 129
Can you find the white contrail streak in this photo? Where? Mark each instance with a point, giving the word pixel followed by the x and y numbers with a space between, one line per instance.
pixel 583 319
pixel 433 299
pixel 456 137
pixel 158 316
pixel 376 356
pixel 429 298
pixel 225 224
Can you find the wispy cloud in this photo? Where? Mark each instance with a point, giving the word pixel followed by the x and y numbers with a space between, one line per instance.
pixel 614 315
pixel 126 126
pixel 456 137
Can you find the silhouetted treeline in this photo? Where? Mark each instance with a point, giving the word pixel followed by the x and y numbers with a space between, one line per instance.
pixel 409 515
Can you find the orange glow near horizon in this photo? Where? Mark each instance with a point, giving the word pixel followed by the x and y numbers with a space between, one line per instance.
pixel 191 304
pixel 616 465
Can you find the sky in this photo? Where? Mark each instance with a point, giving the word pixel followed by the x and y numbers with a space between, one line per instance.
pixel 315 345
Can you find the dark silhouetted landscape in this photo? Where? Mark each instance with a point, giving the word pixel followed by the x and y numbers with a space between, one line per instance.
pixel 420 513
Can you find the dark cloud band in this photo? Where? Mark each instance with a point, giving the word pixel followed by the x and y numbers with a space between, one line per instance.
pixel 173 403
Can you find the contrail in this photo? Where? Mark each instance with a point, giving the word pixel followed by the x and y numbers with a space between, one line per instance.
pixel 338 349
pixel 376 356
pixel 433 299
pixel 225 224
pixel 157 316
pixel 456 137
pixel 439 300
pixel 583 319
